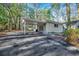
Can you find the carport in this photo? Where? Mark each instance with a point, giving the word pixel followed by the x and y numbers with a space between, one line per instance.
pixel 31 25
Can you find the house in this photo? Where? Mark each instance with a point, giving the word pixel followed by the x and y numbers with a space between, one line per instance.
pixel 42 26
pixel 46 26
pixel 74 24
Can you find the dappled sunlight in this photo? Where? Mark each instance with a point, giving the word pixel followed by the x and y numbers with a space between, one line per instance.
pixel 36 46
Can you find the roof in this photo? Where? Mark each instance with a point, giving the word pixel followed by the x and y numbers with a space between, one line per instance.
pixel 73 22
pixel 41 21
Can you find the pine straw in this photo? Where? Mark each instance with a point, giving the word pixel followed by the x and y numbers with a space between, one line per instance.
pixel 76 44
pixel 2 33
pixel 73 42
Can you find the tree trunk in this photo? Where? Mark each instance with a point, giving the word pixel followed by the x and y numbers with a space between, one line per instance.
pixel 68 15
pixel 78 10
pixel 17 23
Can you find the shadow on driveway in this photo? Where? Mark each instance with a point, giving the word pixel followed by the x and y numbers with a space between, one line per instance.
pixel 45 46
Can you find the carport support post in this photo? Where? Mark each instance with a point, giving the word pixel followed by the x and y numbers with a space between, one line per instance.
pixel 24 28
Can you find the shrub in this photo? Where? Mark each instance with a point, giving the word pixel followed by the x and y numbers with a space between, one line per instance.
pixel 77 30
pixel 72 36
pixel 66 32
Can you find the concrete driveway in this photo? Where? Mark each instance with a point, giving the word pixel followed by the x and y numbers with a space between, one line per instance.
pixel 37 46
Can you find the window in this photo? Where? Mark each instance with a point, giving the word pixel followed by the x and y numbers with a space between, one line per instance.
pixel 55 25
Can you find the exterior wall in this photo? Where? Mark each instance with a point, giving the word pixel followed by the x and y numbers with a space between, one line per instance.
pixel 50 28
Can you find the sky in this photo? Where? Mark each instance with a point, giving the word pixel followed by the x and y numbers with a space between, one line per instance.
pixel 41 5
pixel 45 5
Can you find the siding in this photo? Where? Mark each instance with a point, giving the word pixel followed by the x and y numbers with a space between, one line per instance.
pixel 50 28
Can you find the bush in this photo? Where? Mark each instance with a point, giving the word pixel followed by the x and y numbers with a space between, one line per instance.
pixel 72 36
pixel 66 32
pixel 77 30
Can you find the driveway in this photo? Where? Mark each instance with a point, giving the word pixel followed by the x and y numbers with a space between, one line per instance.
pixel 37 46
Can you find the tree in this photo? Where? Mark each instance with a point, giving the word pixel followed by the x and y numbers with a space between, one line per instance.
pixel 3 17
pixel 36 5
pixel 16 10
pixel 55 7
pixel 78 10
pixel 28 11
pixel 12 14
pixel 68 15
pixel 44 14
